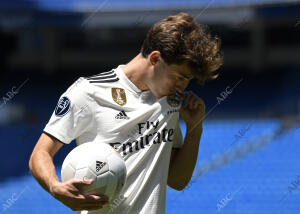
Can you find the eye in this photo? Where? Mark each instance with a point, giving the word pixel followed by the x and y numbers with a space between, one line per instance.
pixel 184 78
pixel 181 78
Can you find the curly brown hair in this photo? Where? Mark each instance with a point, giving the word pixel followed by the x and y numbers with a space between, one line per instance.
pixel 180 40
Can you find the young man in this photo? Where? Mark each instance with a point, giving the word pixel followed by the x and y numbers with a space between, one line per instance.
pixel 135 109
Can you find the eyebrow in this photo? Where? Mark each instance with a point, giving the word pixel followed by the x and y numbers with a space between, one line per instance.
pixel 187 76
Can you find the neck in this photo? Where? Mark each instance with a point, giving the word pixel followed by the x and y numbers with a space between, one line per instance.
pixel 136 71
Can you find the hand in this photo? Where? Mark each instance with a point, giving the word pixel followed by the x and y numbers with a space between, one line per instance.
pixel 70 195
pixel 192 111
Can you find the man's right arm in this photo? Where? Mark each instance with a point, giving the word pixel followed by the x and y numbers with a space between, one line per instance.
pixel 41 161
pixel 42 168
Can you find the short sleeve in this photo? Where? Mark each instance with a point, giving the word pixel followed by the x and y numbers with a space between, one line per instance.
pixel 73 114
pixel 178 139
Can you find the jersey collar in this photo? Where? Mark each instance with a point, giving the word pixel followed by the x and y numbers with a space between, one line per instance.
pixel 127 82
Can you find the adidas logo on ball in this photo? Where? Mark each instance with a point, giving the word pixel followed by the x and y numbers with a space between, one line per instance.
pixel 99 165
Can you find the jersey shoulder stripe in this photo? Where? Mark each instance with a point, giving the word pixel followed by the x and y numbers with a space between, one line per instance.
pixel 104 77
pixel 104 81
pixel 102 74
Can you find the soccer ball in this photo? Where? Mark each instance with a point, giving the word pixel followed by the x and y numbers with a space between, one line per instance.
pixel 97 161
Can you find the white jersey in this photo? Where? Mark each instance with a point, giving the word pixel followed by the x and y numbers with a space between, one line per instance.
pixel 109 108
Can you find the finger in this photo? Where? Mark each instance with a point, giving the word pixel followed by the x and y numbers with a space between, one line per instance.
pixel 73 189
pixel 183 98
pixel 201 104
pixel 93 204
pixel 88 201
pixel 80 183
pixel 198 103
pixel 196 100
pixel 92 207
pixel 192 101
pixel 104 197
pixel 91 199
pixel 88 207
pixel 97 197
pixel 198 106
pixel 97 205
pixel 187 100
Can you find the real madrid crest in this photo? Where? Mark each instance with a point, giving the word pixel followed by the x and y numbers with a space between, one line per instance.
pixel 173 100
pixel 119 96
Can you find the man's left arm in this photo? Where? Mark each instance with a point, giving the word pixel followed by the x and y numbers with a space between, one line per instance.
pixel 183 160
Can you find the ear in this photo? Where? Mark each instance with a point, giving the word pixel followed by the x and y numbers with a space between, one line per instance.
pixel 154 57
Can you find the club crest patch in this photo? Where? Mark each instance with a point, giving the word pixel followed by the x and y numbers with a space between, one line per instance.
pixel 63 107
pixel 119 96
pixel 173 100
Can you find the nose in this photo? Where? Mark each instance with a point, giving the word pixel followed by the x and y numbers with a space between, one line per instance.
pixel 181 87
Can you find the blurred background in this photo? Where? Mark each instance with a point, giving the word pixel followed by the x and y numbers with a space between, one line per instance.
pixel 249 156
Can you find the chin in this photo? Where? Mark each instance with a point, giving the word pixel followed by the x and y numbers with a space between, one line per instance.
pixel 171 93
pixel 159 96
pixel 163 94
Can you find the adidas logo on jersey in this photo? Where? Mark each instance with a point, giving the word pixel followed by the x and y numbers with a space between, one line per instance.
pixel 99 165
pixel 122 115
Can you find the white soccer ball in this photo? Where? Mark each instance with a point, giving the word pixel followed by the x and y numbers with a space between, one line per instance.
pixel 97 161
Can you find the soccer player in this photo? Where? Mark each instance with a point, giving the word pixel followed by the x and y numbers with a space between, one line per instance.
pixel 135 108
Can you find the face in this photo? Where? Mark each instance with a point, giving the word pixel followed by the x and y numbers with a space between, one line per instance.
pixel 167 79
